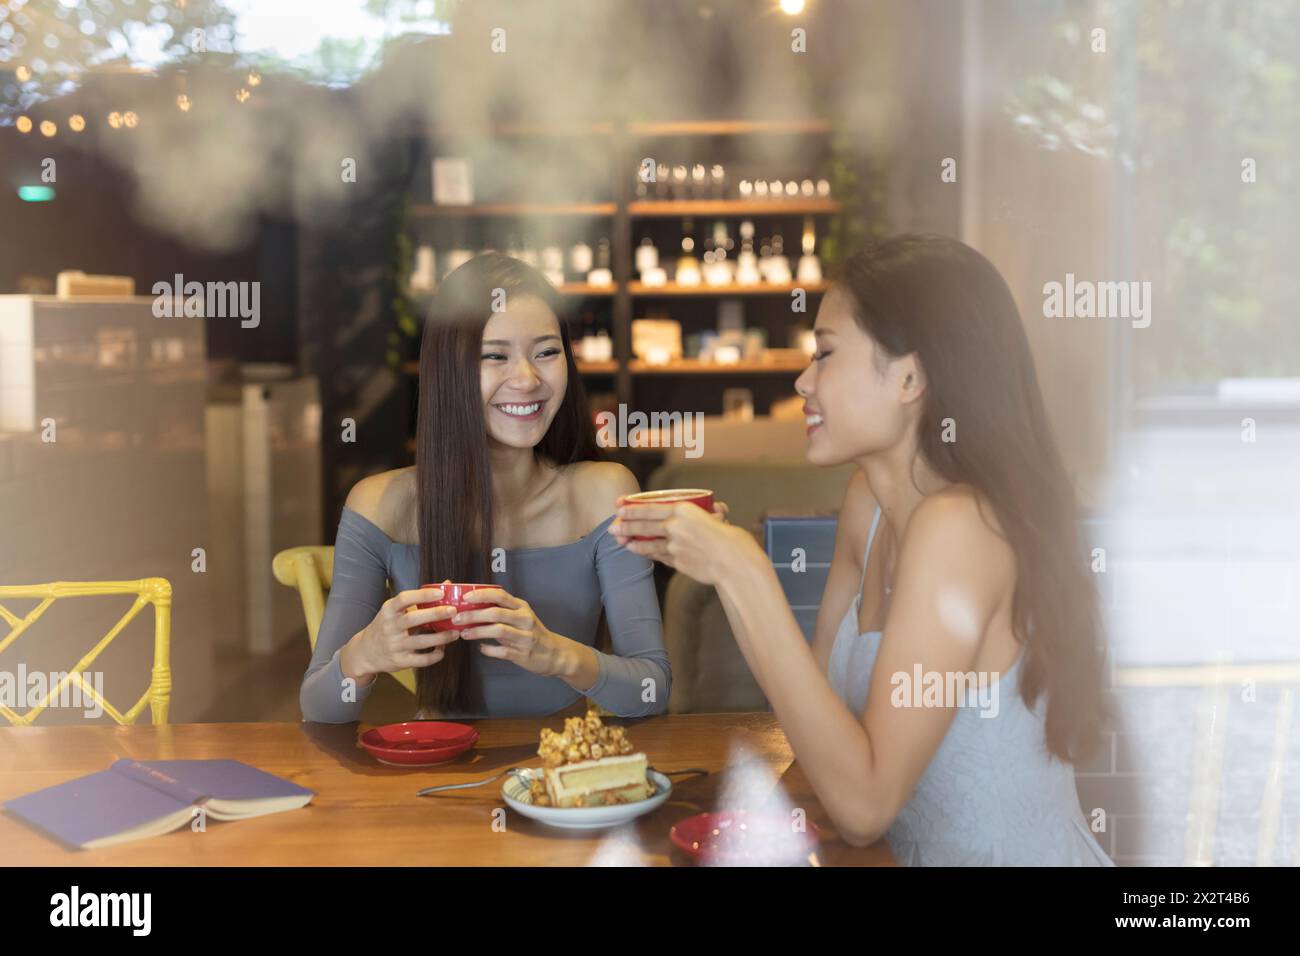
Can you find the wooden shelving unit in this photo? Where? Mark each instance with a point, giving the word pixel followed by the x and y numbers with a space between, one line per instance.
pixel 624 144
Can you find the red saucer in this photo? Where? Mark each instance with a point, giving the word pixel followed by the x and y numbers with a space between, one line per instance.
pixel 418 743
pixel 741 838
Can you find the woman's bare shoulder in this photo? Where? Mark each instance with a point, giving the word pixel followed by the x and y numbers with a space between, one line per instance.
pixel 386 500
pixel 594 489
pixel 961 520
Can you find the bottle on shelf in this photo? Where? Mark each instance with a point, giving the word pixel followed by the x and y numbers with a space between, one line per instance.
pixel 718 181
pixel 746 262
pixel 595 344
pixel 688 267
pixel 647 264
pixel 601 275
pixel 647 256
pixel 719 270
pixel 662 182
pixel 810 267
pixel 553 264
pixel 778 269
pixel 680 184
pixel 699 181
pixel 580 261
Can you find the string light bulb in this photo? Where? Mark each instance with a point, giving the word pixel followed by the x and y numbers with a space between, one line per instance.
pixel 23 124
pixel 48 128
pixel 76 122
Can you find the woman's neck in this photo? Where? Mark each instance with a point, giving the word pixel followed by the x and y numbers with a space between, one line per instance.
pixel 900 479
pixel 516 475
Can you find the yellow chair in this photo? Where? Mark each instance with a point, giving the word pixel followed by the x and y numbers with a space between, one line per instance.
pixel 155 591
pixel 310 569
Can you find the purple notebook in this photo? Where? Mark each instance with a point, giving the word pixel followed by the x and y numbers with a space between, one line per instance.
pixel 134 799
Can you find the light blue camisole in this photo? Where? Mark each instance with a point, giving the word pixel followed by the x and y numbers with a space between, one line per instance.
pixel 993 795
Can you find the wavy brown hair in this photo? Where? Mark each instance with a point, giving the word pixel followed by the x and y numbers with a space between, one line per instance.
pixel 453 473
pixel 939 299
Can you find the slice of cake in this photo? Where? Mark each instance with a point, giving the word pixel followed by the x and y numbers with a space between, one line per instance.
pixel 598 783
pixel 589 765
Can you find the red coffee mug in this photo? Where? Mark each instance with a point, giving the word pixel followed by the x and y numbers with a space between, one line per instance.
pixel 696 496
pixel 454 595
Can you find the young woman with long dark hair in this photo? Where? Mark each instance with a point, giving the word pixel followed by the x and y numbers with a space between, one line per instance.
pixel 508 488
pixel 956 556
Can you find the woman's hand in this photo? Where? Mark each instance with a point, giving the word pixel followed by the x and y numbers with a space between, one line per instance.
pixel 699 544
pixel 521 636
pixel 388 643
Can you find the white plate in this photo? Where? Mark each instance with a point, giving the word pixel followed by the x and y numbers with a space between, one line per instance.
pixel 515 793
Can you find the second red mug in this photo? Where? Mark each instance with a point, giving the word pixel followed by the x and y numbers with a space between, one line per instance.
pixel 696 496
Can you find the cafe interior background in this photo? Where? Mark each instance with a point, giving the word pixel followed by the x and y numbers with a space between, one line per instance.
pixel 340 157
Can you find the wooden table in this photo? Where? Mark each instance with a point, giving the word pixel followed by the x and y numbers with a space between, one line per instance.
pixel 366 813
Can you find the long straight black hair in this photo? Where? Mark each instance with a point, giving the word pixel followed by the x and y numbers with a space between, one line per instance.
pixel 940 299
pixel 453 473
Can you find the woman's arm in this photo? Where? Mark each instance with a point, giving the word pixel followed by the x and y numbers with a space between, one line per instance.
pixel 361 634
pixel 636 679
pixel 863 767
pixel 844 580
pixel 359 588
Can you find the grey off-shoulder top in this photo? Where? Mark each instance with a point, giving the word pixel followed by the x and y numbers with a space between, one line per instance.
pixel 566 585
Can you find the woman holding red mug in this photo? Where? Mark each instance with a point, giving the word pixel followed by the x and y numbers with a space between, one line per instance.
pixel 509 488
pixel 923 377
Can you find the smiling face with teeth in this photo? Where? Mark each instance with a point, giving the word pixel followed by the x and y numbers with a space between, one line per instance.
pixel 858 400
pixel 523 372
